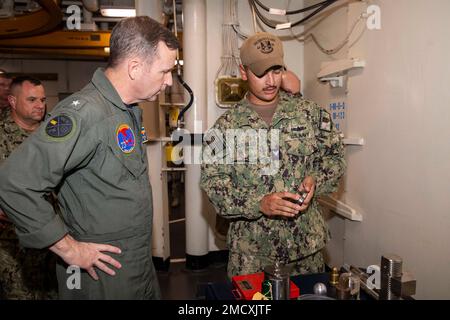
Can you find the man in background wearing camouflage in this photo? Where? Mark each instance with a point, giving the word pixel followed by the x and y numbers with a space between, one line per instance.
pixel 24 273
pixel 5 83
pixel 269 222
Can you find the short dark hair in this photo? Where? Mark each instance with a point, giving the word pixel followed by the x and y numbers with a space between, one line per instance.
pixel 18 81
pixel 138 36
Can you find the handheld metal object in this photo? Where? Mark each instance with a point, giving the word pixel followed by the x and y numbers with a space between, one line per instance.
pixel 302 198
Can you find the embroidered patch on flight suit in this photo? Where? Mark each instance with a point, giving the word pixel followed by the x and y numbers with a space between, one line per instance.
pixel 125 138
pixel 59 126
pixel 325 121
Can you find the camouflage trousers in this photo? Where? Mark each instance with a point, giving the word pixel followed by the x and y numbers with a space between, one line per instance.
pixel 26 274
pixel 242 263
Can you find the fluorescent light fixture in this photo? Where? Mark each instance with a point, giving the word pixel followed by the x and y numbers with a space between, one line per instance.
pixel 117 12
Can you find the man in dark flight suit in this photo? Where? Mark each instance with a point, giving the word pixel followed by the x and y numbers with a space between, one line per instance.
pixel 90 151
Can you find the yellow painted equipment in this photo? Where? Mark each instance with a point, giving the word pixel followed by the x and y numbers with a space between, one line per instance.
pixel 61 43
pixel 173 116
pixel 62 39
pixel 174 154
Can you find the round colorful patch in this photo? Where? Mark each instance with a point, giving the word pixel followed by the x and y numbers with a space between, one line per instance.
pixel 125 138
pixel 59 126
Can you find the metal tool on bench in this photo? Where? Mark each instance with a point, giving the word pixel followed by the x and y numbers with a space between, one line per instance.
pixel 348 286
pixel 395 284
pixel 279 278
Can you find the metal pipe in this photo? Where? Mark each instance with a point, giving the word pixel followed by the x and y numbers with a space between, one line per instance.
pixel 194 56
pixel 91 5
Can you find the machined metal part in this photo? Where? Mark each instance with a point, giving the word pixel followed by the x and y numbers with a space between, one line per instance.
pixel 302 198
pixel 391 265
pixel 342 293
pixel 405 286
pixel 300 201
pixel 348 287
pixel 320 289
pixel 279 278
pixel 391 268
pixel 363 276
pixel 400 287
pixel 334 277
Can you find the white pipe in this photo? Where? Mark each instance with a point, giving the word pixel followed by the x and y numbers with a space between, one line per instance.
pixel 91 5
pixel 194 55
pixel 153 9
pixel 87 16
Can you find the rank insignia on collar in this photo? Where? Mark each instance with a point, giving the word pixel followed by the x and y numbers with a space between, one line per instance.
pixel 325 121
pixel 59 126
pixel 125 138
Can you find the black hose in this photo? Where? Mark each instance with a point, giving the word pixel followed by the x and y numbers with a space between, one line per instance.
pixel 273 26
pixel 313 13
pixel 191 99
pixel 293 11
pixel 261 17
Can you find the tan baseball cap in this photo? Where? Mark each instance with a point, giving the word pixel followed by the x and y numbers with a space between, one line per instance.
pixel 262 51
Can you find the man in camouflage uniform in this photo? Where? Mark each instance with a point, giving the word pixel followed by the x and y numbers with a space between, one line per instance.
pixel 5 83
pixel 268 222
pixel 24 273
